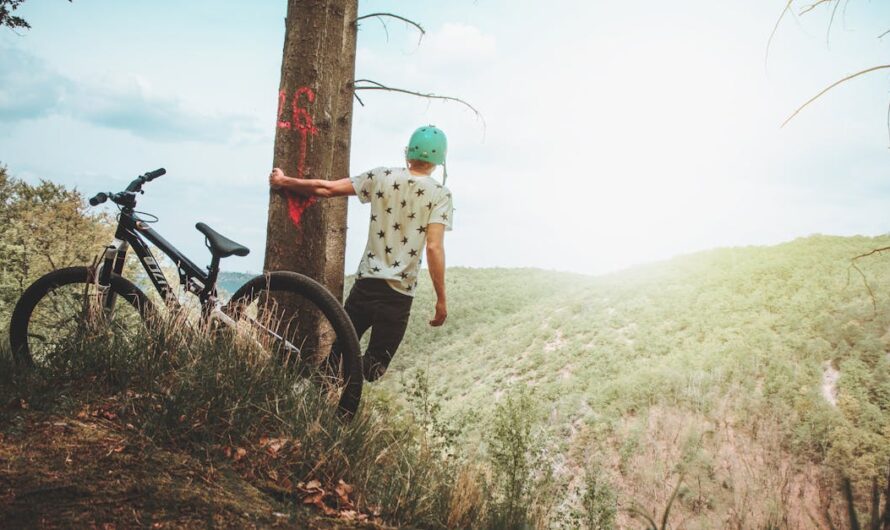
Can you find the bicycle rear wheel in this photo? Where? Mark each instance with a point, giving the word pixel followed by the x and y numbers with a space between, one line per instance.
pixel 302 323
pixel 63 305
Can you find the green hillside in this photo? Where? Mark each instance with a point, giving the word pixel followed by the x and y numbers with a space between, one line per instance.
pixel 229 282
pixel 717 366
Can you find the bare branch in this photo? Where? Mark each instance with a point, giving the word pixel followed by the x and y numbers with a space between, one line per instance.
pixel 831 22
pixel 386 30
pixel 381 16
pixel 374 85
pixel 776 29
pixel 871 253
pixel 882 35
pixel 855 266
pixel 836 83
pixel 871 293
pixel 817 3
pixel 814 5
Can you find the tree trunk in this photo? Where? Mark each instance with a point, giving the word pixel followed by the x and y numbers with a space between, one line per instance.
pixel 312 140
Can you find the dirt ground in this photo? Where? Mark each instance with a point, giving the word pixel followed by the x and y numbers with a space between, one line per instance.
pixel 59 472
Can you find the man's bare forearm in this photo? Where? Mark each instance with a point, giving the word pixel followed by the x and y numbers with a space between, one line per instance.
pixel 310 187
pixel 436 259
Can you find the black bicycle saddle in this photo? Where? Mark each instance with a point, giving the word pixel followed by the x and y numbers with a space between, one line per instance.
pixel 220 245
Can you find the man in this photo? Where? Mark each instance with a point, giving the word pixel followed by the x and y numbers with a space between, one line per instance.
pixel 409 210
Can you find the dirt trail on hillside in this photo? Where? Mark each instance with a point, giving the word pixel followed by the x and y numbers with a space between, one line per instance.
pixel 73 472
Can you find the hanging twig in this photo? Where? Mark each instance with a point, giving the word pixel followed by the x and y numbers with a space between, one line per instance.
pixel 814 5
pixel 836 83
pixel 831 23
pixel 380 16
pixel 775 30
pixel 374 85
pixel 855 266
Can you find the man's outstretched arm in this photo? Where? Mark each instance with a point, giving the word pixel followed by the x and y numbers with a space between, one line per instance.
pixel 311 187
pixel 435 255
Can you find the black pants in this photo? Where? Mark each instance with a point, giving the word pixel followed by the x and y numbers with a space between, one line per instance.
pixel 373 304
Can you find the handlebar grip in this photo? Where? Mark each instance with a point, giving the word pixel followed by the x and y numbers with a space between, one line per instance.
pixel 151 175
pixel 98 199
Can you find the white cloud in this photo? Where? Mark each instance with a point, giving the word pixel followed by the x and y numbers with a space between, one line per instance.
pixel 29 89
pixel 458 46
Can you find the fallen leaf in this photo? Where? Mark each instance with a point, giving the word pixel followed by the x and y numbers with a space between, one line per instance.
pixel 240 453
pixel 313 485
pixel 343 490
pixel 274 445
pixel 313 498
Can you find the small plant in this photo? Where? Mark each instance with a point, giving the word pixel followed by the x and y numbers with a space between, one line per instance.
pixel 599 500
pixel 427 409
pixel 524 490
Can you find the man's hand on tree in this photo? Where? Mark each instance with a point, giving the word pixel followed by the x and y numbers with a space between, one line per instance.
pixel 277 179
pixel 441 314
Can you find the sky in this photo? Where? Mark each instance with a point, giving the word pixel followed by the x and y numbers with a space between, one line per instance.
pixel 614 133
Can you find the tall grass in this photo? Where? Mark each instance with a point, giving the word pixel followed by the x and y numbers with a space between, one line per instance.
pixel 220 399
pixel 224 400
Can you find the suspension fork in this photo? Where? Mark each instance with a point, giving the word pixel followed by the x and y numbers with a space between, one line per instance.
pixel 113 261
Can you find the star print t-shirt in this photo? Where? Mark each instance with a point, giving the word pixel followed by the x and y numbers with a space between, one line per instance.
pixel 402 207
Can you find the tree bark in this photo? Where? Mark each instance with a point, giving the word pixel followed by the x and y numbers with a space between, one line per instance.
pixel 312 140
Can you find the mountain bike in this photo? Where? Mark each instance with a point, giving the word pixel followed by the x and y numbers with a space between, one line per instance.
pixel 54 308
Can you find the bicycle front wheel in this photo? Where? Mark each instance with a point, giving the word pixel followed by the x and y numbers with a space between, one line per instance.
pixel 302 323
pixel 63 305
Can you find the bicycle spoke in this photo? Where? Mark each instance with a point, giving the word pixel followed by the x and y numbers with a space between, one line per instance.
pixel 69 312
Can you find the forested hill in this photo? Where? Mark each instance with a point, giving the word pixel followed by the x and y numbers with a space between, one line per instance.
pixel 724 361
pixel 746 380
pixel 229 282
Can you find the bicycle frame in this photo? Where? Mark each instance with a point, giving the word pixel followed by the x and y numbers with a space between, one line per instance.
pixel 130 232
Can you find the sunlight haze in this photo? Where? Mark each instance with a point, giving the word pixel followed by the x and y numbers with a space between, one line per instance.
pixel 614 133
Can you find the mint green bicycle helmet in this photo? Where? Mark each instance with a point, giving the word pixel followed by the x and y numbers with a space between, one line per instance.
pixel 428 143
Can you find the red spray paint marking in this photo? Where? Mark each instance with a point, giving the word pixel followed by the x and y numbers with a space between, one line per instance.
pixel 301 121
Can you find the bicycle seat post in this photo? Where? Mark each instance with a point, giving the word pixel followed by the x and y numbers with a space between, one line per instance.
pixel 213 271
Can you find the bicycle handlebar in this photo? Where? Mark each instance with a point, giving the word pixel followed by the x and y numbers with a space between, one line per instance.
pixel 128 196
pixel 98 199
pixel 151 175
pixel 137 183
